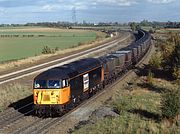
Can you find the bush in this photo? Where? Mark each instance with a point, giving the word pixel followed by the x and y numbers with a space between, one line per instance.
pixel 53 51
pixel 80 44
pixel 98 37
pixel 56 48
pixel 47 50
pixel 170 104
pixel 150 78
pixel 176 73
pixel 107 36
pixel 155 61
pixel 122 104
pixel 171 54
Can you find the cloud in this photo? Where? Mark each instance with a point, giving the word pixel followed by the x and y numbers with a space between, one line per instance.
pixel 161 1
pixel 116 2
pixel 17 3
pixel 63 6
pixel 2 11
pixel 48 8
pixel 82 5
pixel 49 4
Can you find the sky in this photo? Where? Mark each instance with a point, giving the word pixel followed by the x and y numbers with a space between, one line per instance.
pixel 27 11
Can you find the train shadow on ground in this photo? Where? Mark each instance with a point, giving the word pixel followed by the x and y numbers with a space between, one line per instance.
pixel 24 106
pixel 146 114
pixel 153 88
pixel 157 73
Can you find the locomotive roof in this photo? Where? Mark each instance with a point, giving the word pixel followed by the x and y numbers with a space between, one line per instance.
pixel 84 65
pixel 70 70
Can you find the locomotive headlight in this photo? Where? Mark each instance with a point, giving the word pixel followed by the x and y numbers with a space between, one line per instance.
pixel 52 93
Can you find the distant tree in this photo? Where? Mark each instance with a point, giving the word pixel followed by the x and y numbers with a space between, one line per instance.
pixel 145 23
pixel 133 26
pixel 151 31
pixel 138 27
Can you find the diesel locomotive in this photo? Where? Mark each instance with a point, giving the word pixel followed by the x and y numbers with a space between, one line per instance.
pixel 61 88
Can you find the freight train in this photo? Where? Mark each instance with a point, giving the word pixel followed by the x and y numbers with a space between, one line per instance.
pixel 62 88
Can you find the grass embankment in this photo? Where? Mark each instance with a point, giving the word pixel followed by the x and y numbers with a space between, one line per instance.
pixel 150 103
pixel 139 111
pixel 12 93
pixel 167 30
pixel 22 43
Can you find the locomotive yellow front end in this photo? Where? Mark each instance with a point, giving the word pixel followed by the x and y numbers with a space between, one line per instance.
pixel 50 96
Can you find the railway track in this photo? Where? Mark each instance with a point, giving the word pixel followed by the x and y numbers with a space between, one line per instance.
pixel 45 66
pixel 44 125
pixel 12 115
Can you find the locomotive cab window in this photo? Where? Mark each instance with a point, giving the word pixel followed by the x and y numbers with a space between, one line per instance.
pixel 54 84
pixel 65 83
pixel 40 84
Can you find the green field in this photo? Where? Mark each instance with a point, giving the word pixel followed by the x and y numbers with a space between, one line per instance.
pixel 22 43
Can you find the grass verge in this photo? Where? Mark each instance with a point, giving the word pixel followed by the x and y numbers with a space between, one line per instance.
pixel 12 93
pixel 139 109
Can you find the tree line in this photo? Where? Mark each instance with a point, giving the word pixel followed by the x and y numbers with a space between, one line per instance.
pixel 154 24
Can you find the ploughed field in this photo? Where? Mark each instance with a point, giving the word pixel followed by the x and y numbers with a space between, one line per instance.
pixel 21 43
